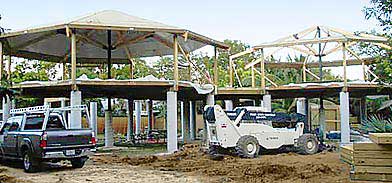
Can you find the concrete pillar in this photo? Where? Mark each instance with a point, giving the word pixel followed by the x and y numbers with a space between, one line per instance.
pixel 301 106
pixel 94 117
pixel 76 115
pixel 109 140
pixel 344 118
pixel 186 118
pixel 171 114
pixel 210 99
pixel 267 103
pixel 322 123
pixel 228 105
pixel 129 105
pixel 182 120
pixel 138 110
pixel 192 120
pixel 6 107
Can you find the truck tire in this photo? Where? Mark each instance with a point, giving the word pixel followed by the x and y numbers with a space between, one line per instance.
pixel 78 162
pixel 247 147
pixel 30 164
pixel 308 144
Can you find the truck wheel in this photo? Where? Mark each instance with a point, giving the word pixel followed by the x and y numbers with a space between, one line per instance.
pixel 78 162
pixel 29 164
pixel 247 147
pixel 307 144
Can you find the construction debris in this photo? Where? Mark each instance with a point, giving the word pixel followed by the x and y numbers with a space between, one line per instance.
pixel 369 161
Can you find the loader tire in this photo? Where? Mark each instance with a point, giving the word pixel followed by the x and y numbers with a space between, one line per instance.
pixel 215 153
pixel 247 147
pixel 308 144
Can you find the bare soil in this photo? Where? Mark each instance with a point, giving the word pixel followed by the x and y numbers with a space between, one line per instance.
pixel 285 167
pixel 190 164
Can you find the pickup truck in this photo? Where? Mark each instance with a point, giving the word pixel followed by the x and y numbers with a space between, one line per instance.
pixel 35 135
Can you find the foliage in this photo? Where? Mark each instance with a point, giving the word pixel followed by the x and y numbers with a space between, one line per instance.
pixel 377 124
pixel 380 10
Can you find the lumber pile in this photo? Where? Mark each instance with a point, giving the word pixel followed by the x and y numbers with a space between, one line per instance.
pixel 371 161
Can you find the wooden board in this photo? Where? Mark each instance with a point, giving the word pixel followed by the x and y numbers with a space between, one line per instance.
pixel 373 169
pixel 371 176
pixel 372 162
pixel 373 154
pixel 371 147
pixel 347 158
pixel 381 138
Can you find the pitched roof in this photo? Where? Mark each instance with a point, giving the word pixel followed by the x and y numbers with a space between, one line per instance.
pixel 141 37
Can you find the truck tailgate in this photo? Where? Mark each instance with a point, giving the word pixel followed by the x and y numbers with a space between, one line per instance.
pixel 69 137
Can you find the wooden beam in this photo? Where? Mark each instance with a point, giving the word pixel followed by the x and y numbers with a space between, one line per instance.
pixel 216 77
pixel 175 58
pixel 91 41
pixel 248 51
pixel 1 61
pixel 359 59
pixel 133 40
pixel 253 77
pixel 345 89
pixel 231 72
pixel 73 61
pixel 262 70
pixel 9 60
pixel 312 74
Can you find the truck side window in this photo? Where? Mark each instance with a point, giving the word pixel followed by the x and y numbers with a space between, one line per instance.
pixel 5 128
pixel 54 122
pixel 34 122
pixel 14 127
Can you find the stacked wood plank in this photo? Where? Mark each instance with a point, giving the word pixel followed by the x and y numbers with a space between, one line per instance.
pixel 370 161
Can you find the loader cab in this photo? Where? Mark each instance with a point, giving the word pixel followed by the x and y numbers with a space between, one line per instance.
pixel 209 114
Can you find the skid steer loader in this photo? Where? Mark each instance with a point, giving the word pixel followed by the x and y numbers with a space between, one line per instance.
pixel 246 130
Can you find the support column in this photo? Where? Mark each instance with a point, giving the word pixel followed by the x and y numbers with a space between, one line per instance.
pixel 231 82
pixel 9 68
pixel 129 106
pixel 216 80
pixel 1 61
pixel 138 110
pixel 344 118
pixel 301 106
pixel 262 70
pixel 175 58
pixel 228 105
pixel 192 119
pixel 267 103
pixel 148 108
pixel 171 114
pixel 109 140
pixel 73 60
pixel 76 114
pixel 186 111
pixel 210 99
pixel 94 117
pixel 182 120
pixel 322 122
pixel 6 107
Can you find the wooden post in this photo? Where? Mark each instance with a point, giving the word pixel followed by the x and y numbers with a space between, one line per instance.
pixel 64 70
pixel 231 71
pixel 304 73
pixel 253 77
pixel 215 66
pixel 131 69
pixel 344 67
pixel 1 61
pixel 175 59
pixel 9 67
pixel 73 60
pixel 262 70
pixel 364 70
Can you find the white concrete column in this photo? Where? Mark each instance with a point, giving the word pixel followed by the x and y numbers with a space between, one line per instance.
pixel 182 120
pixel 171 121
pixel 267 103
pixel 138 110
pixel 149 115
pixel 76 114
pixel 6 107
pixel 344 118
pixel 301 106
pixel 192 120
pixel 228 105
pixel 109 140
pixel 94 117
pixel 129 105
pixel 210 99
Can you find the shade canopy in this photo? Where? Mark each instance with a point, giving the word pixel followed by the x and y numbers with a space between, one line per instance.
pixel 130 37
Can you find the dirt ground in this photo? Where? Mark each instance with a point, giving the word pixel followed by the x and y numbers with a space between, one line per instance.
pixel 189 165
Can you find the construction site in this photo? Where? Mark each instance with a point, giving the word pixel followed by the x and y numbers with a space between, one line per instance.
pixel 237 115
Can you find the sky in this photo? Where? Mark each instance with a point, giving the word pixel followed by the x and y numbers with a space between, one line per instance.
pixel 252 22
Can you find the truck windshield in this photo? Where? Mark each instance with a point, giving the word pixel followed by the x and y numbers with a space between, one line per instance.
pixel 34 122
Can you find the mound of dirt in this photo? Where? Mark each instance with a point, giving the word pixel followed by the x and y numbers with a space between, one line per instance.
pixel 289 167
